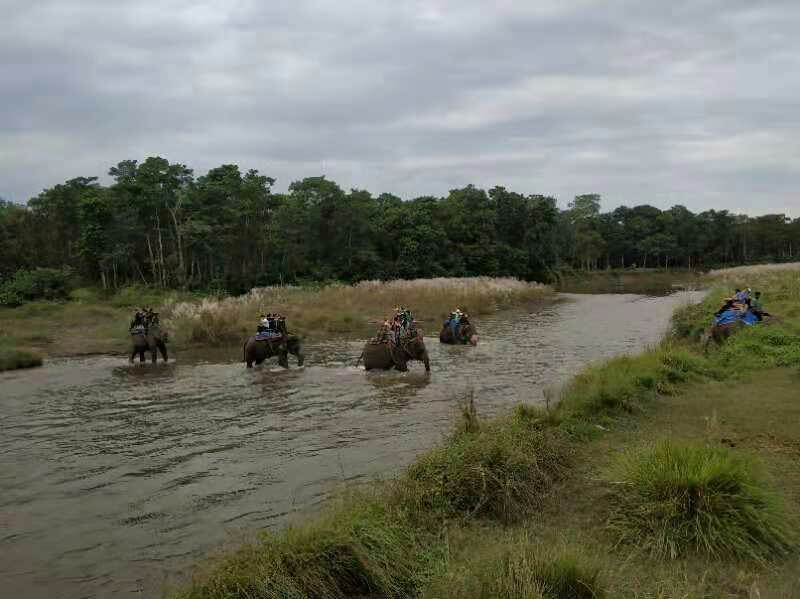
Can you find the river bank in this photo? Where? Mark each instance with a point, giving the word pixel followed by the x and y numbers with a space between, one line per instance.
pixel 523 505
pixel 92 324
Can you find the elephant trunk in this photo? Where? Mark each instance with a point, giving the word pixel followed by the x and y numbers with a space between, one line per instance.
pixel 473 340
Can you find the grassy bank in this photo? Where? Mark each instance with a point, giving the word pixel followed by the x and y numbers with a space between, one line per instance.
pixel 673 473
pixel 89 322
pixel 13 357
pixel 644 281
pixel 350 310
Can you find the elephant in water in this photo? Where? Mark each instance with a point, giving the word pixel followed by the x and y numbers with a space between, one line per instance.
pixel 152 339
pixel 258 350
pixel 385 356
pixel 464 333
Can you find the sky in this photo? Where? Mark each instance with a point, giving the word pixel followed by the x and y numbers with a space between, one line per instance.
pixel 643 101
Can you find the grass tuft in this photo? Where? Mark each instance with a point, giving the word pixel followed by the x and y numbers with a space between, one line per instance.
pixel 498 471
pixel 362 549
pixel 674 498
pixel 12 358
pixel 519 570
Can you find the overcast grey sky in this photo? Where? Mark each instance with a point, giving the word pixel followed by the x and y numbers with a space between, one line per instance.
pixel 694 102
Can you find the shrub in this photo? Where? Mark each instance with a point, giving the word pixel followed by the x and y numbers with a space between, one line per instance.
pixel 675 498
pixel 41 283
pixel 497 470
pixel 12 358
pixel 520 571
pixel 363 549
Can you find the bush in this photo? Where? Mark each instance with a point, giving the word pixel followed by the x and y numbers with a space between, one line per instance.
pixel 12 358
pixel 497 470
pixel 363 549
pixel 672 499
pixel 41 283
pixel 520 571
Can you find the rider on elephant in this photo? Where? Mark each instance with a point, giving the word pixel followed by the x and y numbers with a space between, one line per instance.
pixel 139 323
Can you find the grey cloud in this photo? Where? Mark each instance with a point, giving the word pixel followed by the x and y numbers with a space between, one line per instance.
pixel 683 102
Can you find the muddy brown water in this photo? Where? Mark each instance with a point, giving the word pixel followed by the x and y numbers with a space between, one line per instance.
pixel 115 478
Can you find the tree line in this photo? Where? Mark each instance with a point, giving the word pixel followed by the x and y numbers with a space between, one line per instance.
pixel 158 224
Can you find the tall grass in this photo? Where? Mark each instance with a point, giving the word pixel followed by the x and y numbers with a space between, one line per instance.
pixel 12 358
pixel 678 498
pixel 498 470
pixel 358 548
pixel 521 569
pixel 344 309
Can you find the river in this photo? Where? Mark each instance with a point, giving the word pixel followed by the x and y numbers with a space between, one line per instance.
pixel 116 478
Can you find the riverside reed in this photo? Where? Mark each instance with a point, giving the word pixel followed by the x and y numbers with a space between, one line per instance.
pixel 92 322
pixel 450 526
pixel 345 309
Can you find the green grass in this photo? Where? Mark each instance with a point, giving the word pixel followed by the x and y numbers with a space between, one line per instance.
pixel 675 498
pixel 12 358
pixel 521 568
pixel 361 547
pixel 90 322
pixel 498 470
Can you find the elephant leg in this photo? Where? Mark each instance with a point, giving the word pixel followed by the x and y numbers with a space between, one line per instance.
pixel 141 356
pixel 162 347
pixel 426 361
pixel 283 359
pixel 133 355
pixel 300 358
pixel 399 359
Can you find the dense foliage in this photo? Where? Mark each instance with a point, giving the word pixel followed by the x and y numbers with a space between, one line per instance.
pixel 160 225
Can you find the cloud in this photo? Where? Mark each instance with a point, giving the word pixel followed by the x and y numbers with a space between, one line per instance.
pixel 684 102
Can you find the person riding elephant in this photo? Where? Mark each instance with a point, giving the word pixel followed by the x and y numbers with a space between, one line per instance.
pixel 272 338
pixel 147 335
pixel 384 356
pixel 462 333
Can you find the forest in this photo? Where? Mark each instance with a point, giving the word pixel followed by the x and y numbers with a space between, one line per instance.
pixel 158 224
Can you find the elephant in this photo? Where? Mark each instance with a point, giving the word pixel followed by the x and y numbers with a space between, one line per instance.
pixel 153 340
pixel 258 350
pixel 720 332
pixel 464 333
pixel 385 356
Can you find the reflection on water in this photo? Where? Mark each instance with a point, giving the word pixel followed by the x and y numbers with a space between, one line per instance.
pixel 115 476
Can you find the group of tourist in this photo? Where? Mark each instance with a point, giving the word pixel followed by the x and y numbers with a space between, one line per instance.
pixel 744 306
pixel 397 327
pixel 457 317
pixel 143 319
pixel 272 325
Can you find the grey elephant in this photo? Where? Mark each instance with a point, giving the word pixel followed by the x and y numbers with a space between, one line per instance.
pixel 258 350
pixel 464 333
pixel 152 339
pixel 384 356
